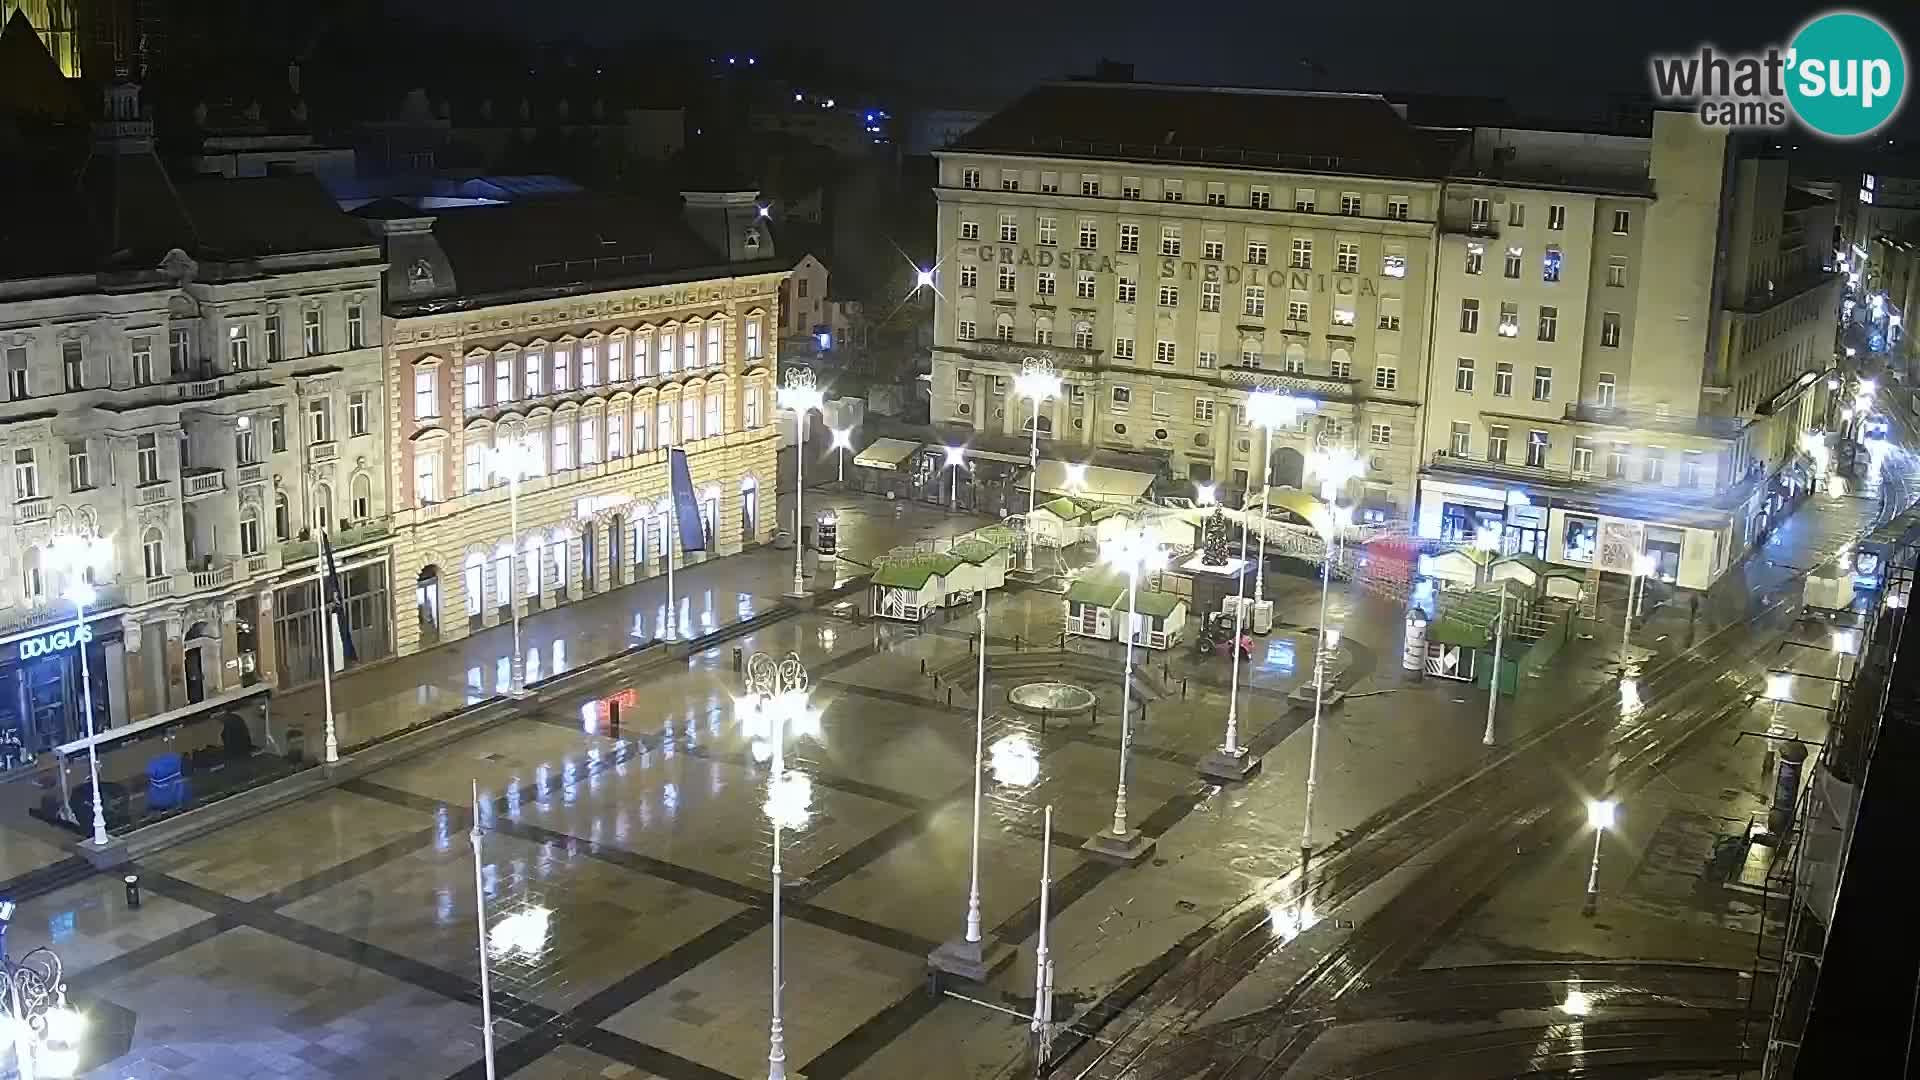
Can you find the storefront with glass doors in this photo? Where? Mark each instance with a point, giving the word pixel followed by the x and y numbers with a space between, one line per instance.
pixel 41 699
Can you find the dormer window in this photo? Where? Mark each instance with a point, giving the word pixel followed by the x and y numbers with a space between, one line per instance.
pixel 753 238
pixel 420 275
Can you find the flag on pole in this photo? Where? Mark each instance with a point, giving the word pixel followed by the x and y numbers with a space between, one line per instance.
pixel 686 507
pixel 335 601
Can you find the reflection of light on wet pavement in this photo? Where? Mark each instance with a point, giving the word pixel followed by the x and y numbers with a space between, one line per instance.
pixel 1289 921
pixel 1577 1003
pixel 524 932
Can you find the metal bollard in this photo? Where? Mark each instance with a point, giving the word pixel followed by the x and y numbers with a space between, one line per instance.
pixel 1043 722
pixel 923 665
pixel 613 716
pixel 1183 688
pixel 739 658
pixel 133 890
pixel 949 696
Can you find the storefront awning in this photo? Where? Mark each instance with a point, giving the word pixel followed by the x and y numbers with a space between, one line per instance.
pixel 1095 482
pixel 885 454
pixel 995 455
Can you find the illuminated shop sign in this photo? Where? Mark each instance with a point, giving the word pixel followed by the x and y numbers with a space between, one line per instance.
pixel 48 644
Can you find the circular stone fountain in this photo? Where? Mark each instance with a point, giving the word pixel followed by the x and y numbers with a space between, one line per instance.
pixel 1051 698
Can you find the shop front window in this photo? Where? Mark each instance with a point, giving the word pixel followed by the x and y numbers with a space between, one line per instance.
pixel 1581 537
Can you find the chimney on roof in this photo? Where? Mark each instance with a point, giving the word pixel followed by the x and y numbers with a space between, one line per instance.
pixel 731 222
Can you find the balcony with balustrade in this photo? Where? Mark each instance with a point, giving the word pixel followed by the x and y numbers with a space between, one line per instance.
pixel 196 483
pixel 33 509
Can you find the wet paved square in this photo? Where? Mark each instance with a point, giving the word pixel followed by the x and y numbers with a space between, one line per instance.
pixel 267 852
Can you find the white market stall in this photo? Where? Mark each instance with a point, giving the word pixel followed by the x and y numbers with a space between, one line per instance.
pixel 912 585
pixel 1097 607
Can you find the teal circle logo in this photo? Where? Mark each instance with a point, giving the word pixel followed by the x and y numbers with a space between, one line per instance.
pixel 1846 74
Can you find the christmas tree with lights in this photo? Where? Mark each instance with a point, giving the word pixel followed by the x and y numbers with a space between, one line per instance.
pixel 1213 542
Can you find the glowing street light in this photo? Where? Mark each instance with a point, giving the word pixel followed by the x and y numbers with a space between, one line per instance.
pixel 776 705
pixel 78 559
pixel 1076 476
pixel 922 278
pixel 843 442
pixel 1268 410
pixel 1203 494
pixel 799 394
pixel 1036 382
pixel 1601 815
pixel 1335 466
pixel 45 1030
pixel 1134 553
pixel 957 461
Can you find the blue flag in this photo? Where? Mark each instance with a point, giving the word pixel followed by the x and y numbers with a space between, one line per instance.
pixel 686 507
pixel 335 601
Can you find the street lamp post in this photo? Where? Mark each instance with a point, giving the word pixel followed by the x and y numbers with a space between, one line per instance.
pixel 1230 760
pixel 842 442
pixel 1036 382
pixel 956 461
pixel 513 457
pixel 77 557
pixel 45 1031
pixel 1042 959
pixel 1499 634
pixel 1134 552
pixel 775 707
pixel 480 916
pixel 799 394
pixel 1601 814
pixel 1643 565
pixel 1269 409
pixel 1329 524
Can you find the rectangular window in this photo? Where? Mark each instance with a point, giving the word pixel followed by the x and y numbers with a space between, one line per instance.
pixel 1250 355
pixel 1514 258
pixel 1298 311
pixel 277 429
pixel 1463 375
pixel 1207 359
pixel 357 412
pixel 1476 258
pixel 663 429
pixel 1346 258
pixel 1610 329
pixel 1123 348
pixel 1203 409
pixel 1129 236
pixel 72 365
pixel 969 277
pixel 426 476
pixel 1397 207
pixel 311 338
pixel 1516 214
pixel 19 386
pixel 1469 316
pixel 1130 187
pixel 146 459
pixel 639 429
pixel 1603 389
pixel 179 349
pixel 1497 444
pixel 1050 183
pixel 1549 323
pixel 1537 449
pixel 1008 280
pixel 426 399
pixel 1257 252
pixel 969 230
pixel 356 327
pixel 1350 203
pixel 1302 258
pixel 1550 266
pixel 1617 272
pixel 532 366
pixel 1165 352
pixel 1380 434
pixel 1049 231
pixel 1462 444
pixel 1089 234
pixel 1128 291
pixel 1543 384
pixel 1161 404
pixel 1254 301
pixel 319 421
pixel 1089 185
pixel 1393 260
pixel 1654 465
pixel 502 379
pixel 1003 328
pixel 1343 315
pixel 1083 285
pixel 1009 180
pixel 1386 378
pixel 1691 474
pixel 1622 220
pixel 1213 250
pixel 1503 380
pixel 26 475
pixel 589 364
pixel 1340 369
pixel 79 466
pixel 1617 461
pixel 1122 399
pixel 689 349
pixel 753 342
pixel 1482 211
pixel 1303 200
pixel 1389 313
pixel 270 338
pixel 473 388
pixel 970 179
pixel 1509 319
pixel 142 348
pixel 1009 229
pixel 1083 335
pixel 1582 457
pixel 1294 363
pixel 1259 198
pixel 562 444
pixel 1173 191
pixel 1043 283
pixel 1216 194
pixel 965 330
pixel 1556 217
pixel 1209 296
pixel 1169 239
pixel 616 434
pixel 1169 296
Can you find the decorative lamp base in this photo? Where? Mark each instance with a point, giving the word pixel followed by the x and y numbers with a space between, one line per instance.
pixel 974 961
pixel 1129 850
pixel 1225 768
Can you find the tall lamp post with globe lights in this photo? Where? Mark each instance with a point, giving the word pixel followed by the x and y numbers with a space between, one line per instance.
pixel 775 707
pixel 1329 523
pixel 1269 409
pixel 1231 760
pixel 78 558
pixel 44 1030
pixel 798 393
pixel 1036 382
pixel 1134 553
pixel 514 458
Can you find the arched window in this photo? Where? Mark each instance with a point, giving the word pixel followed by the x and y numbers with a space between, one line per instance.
pixel 1046 425
pixel 362 495
pixel 282 520
pixel 35 580
pixel 1003 326
pixel 476 584
pixel 322 506
pixel 749 509
pixel 716 411
pixel 689 417
pixel 153 554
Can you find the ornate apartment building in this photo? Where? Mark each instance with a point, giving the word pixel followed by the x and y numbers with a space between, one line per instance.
pixel 192 373
pixel 1172 249
pixel 1628 339
pixel 587 334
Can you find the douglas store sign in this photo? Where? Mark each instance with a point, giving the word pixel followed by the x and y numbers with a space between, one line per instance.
pixel 48 644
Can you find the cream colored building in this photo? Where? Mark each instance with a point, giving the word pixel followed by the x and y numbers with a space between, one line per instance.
pixel 595 331
pixel 1172 249
pixel 1628 339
